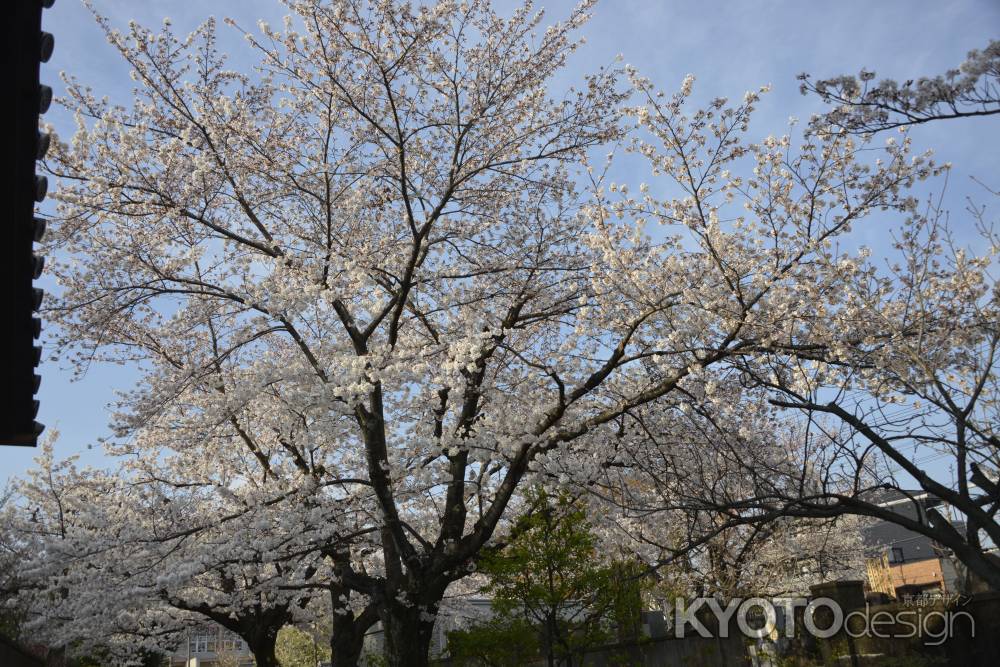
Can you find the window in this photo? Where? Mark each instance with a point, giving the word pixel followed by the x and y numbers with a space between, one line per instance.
pixel 232 642
pixel 198 643
pixel 896 555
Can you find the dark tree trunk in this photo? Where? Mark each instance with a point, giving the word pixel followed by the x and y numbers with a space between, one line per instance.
pixel 261 640
pixel 263 652
pixel 348 639
pixel 550 639
pixel 408 633
pixel 346 647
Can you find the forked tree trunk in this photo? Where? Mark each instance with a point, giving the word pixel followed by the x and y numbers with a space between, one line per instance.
pixel 348 639
pixel 408 633
pixel 262 638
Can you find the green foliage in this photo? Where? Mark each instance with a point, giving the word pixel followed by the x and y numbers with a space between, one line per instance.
pixel 552 590
pixel 374 660
pixel 500 642
pixel 96 659
pixel 626 587
pixel 297 648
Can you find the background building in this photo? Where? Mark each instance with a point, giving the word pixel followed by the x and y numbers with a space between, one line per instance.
pixel 211 646
pixel 902 563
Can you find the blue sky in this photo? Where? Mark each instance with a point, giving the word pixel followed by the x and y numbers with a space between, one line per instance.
pixel 730 46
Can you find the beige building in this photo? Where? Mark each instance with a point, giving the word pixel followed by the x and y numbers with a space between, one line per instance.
pixel 211 646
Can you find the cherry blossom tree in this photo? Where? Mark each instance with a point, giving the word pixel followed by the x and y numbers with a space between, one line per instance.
pixel 682 495
pixel 897 391
pixel 904 396
pixel 123 564
pixel 53 594
pixel 688 470
pixel 11 554
pixel 375 293
pixel 910 398
pixel 333 269
pixel 863 106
